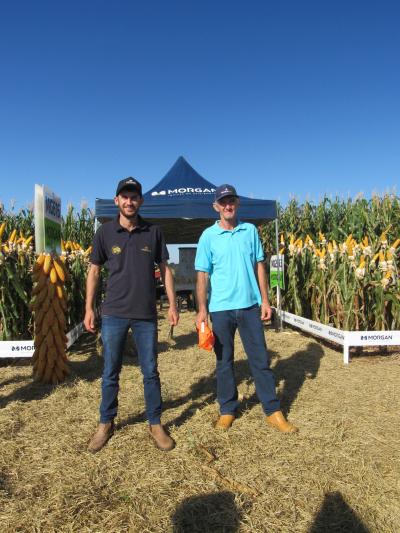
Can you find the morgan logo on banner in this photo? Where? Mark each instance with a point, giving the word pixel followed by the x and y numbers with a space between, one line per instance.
pixel 183 190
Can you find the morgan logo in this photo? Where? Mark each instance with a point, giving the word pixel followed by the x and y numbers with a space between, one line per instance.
pixel 382 337
pixel 183 190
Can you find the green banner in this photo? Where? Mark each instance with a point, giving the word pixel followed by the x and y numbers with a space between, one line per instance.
pixel 276 277
pixel 52 236
pixel 47 220
pixel 277 271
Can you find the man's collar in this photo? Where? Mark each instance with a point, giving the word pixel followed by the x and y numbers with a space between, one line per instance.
pixel 240 226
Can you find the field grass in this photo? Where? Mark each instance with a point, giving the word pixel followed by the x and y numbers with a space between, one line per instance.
pixel 339 473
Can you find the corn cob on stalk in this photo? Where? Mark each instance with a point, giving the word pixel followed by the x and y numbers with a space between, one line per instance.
pixel 50 363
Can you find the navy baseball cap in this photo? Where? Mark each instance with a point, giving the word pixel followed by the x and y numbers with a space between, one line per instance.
pixel 129 184
pixel 225 190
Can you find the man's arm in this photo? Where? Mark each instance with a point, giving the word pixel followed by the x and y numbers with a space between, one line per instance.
pixel 266 311
pixel 168 280
pixel 91 287
pixel 201 292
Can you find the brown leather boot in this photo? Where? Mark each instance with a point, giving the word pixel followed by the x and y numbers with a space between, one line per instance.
pixel 224 422
pixel 103 433
pixel 161 438
pixel 278 421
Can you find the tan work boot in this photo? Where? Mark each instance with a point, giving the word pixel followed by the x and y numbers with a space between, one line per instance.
pixel 278 421
pixel 224 422
pixel 161 438
pixel 103 433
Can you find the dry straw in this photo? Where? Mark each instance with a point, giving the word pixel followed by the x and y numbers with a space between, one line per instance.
pixel 340 473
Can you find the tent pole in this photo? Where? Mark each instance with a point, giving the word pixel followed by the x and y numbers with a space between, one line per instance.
pixel 278 289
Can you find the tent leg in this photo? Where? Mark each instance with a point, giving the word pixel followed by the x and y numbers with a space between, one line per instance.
pixel 278 289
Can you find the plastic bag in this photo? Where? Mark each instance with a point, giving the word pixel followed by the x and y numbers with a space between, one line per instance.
pixel 206 337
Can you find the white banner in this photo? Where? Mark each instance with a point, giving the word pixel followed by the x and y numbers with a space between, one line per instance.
pixel 26 348
pixel 326 332
pixel 16 349
pixel 373 338
pixel 344 338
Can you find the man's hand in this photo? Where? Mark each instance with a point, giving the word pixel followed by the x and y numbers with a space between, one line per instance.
pixel 90 321
pixel 173 315
pixel 266 312
pixel 202 316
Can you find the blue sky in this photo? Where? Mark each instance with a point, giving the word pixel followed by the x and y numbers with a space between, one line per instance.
pixel 278 98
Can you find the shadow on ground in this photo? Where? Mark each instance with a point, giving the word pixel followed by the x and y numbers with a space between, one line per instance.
pixel 88 369
pixel 336 516
pixel 208 513
pixel 292 371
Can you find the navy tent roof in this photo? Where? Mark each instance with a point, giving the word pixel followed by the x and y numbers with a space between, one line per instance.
pixel 181 203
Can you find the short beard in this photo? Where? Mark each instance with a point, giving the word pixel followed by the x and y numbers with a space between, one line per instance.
pixel 129 217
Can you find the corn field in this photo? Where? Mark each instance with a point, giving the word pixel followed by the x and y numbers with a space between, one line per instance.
pixel 341 261
pixel 17 259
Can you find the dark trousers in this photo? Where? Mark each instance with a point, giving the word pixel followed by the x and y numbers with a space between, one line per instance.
pixel 251 331
pixel 113 333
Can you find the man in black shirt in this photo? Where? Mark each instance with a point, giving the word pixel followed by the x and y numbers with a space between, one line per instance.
pixel 129 247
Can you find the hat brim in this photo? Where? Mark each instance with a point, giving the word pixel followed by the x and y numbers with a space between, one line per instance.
pixel 128 188
pixel 225 195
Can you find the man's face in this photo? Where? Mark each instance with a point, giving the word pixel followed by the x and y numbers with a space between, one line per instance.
pixel 128 203
pixel 227 207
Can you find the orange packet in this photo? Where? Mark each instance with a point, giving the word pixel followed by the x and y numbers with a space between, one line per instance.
pixel 206 337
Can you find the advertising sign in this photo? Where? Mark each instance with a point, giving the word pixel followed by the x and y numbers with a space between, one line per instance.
pixel 47 220
pixel 277 271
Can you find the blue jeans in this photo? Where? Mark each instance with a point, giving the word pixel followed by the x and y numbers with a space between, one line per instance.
pixel 113 333
pixel 251 331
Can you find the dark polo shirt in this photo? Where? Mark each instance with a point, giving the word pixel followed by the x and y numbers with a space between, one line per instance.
pixel 129 257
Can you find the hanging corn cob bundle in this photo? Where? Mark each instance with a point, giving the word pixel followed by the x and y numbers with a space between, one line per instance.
pixel 49 307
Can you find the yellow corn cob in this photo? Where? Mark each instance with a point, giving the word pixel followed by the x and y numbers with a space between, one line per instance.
pixel 53 275
pixel 28 240
pixel 59 270
pixel 2 228
pixel 395 244
pixel 60 292
pixel 13 235
pixel 47 264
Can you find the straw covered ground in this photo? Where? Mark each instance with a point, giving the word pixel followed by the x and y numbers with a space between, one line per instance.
pixel 339 473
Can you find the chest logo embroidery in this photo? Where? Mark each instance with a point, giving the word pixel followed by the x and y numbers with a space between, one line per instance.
pixel 146 249
pixel 115 250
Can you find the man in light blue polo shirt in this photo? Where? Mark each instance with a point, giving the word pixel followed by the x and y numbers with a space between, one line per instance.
pixel 230 271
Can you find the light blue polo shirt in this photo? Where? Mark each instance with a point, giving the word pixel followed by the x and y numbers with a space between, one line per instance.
pixel 230 257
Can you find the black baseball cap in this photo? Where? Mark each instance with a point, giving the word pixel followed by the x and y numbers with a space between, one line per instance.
pixel 129 184
pixel 225 190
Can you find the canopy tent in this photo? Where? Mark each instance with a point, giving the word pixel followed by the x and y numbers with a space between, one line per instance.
pixel 181 204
